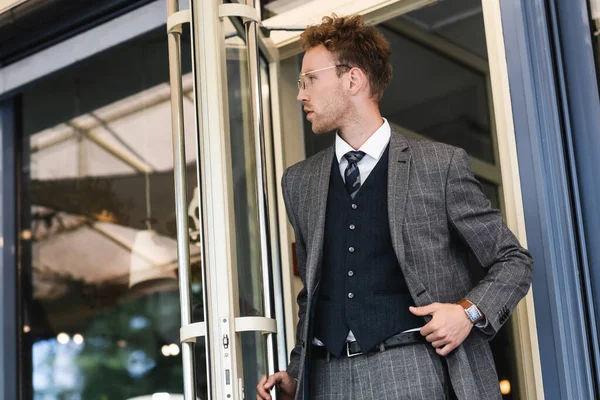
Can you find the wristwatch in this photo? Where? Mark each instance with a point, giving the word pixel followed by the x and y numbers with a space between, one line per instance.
pixel 471 310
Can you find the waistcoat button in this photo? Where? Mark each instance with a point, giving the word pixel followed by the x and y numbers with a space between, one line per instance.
pixel 350 295
pixel 351 249
pixel 352 227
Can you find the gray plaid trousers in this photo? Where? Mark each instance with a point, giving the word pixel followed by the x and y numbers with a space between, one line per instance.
pixel 413 372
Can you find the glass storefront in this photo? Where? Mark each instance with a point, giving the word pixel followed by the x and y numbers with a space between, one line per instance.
pixel 100 293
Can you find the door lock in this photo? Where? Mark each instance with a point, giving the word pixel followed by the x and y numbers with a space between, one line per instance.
pixel 225 341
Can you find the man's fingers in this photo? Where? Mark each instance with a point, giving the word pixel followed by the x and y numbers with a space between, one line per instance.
pixel 429 328
pixel 432 337
pixel 262 380
pixel 261 392
pixel 281 378
pixel 424 310
pixel 445 350
pixel 273 380
pixel 265 385
pixel 419 311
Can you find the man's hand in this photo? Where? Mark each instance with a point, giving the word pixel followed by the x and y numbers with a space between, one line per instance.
pixel 287 386
pixel 448 328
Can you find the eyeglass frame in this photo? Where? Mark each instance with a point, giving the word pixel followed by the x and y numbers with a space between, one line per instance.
pixel 302 83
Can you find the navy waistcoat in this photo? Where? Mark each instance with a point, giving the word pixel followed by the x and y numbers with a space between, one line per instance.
pixel 362 287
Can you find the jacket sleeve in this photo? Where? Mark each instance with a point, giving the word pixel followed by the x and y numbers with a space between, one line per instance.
pixel 509 267
pixel 294 365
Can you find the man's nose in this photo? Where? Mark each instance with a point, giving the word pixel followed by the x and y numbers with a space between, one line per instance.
pixel 302 97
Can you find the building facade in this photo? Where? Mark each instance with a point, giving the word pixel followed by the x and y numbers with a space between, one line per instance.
pixel 100 296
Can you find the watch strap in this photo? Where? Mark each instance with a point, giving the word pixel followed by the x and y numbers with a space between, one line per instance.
pixel 466 304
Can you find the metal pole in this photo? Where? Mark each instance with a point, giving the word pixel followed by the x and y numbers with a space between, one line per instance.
pixel 183 253
pixel 263 221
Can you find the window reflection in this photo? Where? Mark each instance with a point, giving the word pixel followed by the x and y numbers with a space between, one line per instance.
pixel 117 357
pixel 100 297
pixel 438 97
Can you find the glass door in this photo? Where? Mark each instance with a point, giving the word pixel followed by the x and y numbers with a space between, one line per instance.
pixel 231 217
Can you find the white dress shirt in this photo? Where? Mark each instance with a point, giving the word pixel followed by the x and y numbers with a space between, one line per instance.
pixel 373 149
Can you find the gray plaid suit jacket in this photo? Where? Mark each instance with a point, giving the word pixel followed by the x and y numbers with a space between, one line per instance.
pixel 438 214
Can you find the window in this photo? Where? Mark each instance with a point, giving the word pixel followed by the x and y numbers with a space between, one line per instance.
pixel 100 297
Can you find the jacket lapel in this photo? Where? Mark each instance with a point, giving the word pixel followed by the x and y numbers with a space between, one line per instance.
pixel 398 184
pixel 319 189
pixel 398 173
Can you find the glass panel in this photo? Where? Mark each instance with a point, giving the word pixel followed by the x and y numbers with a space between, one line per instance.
pixel 244 185
pixel 100 295
pixel 254 358
pixel 247 239
pixel 438 97
pixel 491 191
pixel 459 22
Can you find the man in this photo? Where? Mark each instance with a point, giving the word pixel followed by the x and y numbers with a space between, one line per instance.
pixel 385 226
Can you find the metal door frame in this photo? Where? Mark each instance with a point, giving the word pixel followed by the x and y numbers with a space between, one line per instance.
pixel 221 308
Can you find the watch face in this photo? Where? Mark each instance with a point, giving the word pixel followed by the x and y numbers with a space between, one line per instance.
pixel 473 313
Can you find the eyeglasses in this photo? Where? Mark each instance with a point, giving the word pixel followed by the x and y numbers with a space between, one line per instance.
pixel 302 82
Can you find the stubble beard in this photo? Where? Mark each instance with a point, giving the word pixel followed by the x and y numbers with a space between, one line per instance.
pixel 331 115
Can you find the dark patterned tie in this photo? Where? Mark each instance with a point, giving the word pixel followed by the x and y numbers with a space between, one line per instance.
pixel 352 173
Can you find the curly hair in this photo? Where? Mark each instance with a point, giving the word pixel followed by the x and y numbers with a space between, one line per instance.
pixel 356 44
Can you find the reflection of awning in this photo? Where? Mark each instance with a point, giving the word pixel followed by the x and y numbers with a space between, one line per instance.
pixel 87 189
pixel 83 267
pixel 118 199
pixel 68 248
pixel 128 136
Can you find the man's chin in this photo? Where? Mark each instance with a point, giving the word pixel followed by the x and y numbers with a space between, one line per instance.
pixel 319 130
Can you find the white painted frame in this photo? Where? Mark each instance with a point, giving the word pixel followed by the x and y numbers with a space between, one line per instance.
pixel 524 325
pixel 311 12
pixel 213 146
pixel 215 155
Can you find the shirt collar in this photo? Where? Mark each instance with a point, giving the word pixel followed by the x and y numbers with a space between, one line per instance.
pixel 373 147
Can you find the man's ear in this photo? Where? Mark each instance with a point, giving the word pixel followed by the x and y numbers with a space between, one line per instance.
pixel 357 81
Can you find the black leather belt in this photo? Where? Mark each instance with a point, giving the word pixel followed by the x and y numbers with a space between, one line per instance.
pixel 352 349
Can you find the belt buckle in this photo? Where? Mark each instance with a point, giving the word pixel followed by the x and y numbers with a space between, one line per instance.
pixel 349 354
